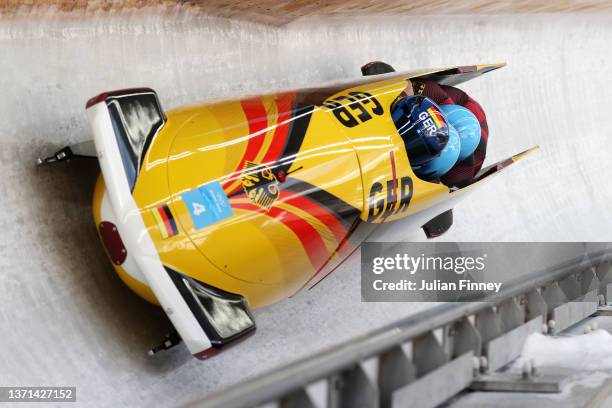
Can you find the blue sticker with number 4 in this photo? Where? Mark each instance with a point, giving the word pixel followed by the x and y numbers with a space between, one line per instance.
pixel 207 205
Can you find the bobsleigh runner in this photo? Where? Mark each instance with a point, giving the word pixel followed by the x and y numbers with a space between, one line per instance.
pixel 213 209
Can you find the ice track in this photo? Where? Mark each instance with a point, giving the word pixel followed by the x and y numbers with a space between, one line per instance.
pixel 65 317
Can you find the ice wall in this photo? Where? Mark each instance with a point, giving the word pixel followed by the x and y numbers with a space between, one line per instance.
pixel 65 317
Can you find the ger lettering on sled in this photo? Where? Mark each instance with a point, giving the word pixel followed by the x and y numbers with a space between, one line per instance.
pixel 217 208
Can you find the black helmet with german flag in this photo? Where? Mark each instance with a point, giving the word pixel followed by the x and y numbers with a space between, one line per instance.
pixel 431 143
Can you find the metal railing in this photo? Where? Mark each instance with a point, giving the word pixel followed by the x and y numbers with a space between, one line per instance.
pixel 432 355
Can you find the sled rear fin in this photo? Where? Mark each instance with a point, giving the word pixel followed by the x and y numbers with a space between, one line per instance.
pixel 500 165
pixel 458 75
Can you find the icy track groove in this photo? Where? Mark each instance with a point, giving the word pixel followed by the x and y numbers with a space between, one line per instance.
pixel 66 319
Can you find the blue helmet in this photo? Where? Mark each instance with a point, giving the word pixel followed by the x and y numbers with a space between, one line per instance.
pixel 440 165
pixel 467 125
pixel 432 145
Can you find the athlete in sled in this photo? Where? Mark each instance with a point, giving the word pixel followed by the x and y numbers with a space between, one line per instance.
pixel 213 209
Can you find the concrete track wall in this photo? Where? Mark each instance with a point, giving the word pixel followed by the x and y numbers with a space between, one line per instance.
pixel 66 319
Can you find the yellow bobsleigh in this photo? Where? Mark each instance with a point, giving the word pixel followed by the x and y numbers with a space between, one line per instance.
pixel 212 209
